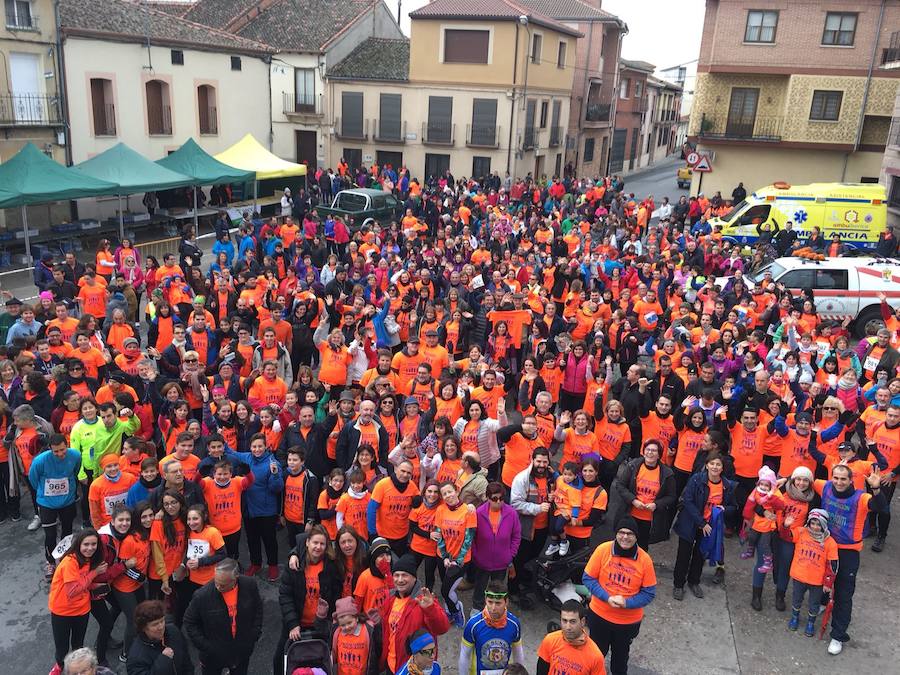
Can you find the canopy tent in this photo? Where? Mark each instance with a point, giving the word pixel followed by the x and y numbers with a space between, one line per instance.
pixel 248 154
pixel 192 160
pixel 31 177
pixel 132 172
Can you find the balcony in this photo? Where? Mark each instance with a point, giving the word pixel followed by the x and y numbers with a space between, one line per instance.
pixel 159 120
pixel 438 133
pixel 894 135
pixel 482 136
pixel 597 112
pixel 556 135
pixel 21 20
pixel 352 130
pixel 105 121
pixel 387 131
pixel 301 104
pixel 209 121
pixel 29 110
pixel 723 127
pixel 890 56
pixel 529 138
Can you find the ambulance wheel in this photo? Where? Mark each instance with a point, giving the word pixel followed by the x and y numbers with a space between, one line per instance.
pixel 872 313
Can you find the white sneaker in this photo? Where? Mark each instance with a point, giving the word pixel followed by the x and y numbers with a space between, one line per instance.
pixel 552 549
pixel 564 547
pixel 835 647
pixel 34 524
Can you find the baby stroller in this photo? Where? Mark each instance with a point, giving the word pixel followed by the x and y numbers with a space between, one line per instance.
pixel 310 651
pixel 557 579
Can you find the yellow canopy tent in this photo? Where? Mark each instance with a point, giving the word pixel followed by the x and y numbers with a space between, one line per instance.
pixel 249 155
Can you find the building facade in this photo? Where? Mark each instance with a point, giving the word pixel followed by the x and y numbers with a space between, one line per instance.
pixel 479 88
pixel 156 87
pixel 665 106
pixel 631 138
pixel 890 166
pixel 794 90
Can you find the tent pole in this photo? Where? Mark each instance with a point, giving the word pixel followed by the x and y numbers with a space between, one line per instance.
pixel 121 220
pixel 196 228
pixel 27 242
pixel 255 193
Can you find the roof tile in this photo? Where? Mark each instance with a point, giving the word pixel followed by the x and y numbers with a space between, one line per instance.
pixel 375 59
pixel 503 10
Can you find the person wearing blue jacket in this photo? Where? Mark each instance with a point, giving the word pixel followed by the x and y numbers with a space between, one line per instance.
pixel 148 481
pixel 706 491
pixel 263 502
pixel 54 476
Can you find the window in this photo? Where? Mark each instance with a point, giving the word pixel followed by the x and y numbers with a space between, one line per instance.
pixel 484 122
pixel 544 108
pixel 831 279
pixel 561 55
pixel 440 116
pixel 761 26
pixel 436 165
pixel 840 29
pixel 352 114
pixel 637 89
pixel 102 108
pixel 235 62
pixel 529 137
pixel 18 14
pixel 798 279
pixel 177 57
pixel 389 120
pixel 826 105
pixel 536 42
pixel 894 194
pixel 304 89
pixel 353 157
pixel 352 202
pixel 466 46
pixel 206 102
pixel 481 167
pixel 623 88
pixel 588 149
pixel 159 109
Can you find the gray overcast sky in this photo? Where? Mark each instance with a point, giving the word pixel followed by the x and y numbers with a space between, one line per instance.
pixel 663 32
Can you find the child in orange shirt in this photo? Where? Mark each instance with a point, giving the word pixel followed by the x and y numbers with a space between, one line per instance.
pixel 328 500
pixel 567 497
pixel 814 567
pixel 758 528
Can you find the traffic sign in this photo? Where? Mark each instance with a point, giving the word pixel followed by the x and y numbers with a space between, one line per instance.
pixel 692 158
pixel 703 166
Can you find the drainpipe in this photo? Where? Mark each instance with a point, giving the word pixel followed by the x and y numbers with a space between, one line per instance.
pixel 61 86
pixel 267 59
pixel 512 107
pixel 584 96
pixel 865 99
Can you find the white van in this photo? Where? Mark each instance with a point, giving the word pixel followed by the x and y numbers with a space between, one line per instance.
pixel 843 287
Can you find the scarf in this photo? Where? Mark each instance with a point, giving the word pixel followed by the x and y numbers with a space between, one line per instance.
pixel 799 495
pixel 580 641
pixel 413 669
pixel 499 624
pixel 357 495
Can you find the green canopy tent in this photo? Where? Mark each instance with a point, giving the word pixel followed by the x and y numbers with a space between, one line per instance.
pixel 132 172
pixel 31 177
pixel 192 160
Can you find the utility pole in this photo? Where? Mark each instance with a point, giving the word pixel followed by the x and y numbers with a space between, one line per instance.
pixel 399 4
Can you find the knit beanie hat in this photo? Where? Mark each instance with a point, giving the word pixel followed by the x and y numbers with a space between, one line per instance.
pixel 766 474
pixel 405 563
pixel 379 545
pixel 802 472
pixel 627 523
pixel 345 607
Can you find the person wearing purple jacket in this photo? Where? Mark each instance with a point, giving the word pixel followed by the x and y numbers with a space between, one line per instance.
pixel 497 537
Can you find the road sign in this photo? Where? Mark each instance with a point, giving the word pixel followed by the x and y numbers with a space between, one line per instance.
pixel 703 166
pixel 692 158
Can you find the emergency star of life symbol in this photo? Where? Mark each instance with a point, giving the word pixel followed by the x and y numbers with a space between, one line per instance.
pixel 851 217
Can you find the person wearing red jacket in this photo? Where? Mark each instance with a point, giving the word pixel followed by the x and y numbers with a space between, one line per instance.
pixel 409 606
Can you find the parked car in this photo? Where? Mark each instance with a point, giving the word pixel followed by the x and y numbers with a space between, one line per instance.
pixel 358 205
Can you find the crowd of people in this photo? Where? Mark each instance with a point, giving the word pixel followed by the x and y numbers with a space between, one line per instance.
pixel 508 373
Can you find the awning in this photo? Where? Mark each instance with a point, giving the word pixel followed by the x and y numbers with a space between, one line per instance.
pixel 30 177
pixel 192 160
pixel 249 155
pixel 131 171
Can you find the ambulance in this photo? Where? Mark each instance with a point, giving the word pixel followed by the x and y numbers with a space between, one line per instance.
pixel 856 211
pixel 845 287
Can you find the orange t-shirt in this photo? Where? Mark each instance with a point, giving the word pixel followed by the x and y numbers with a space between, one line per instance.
pixel 392 518
pixel 224 503
pixel 518 456
pixel 714 498
pixel 268 392
pixel 747 450
pixel 611 437
pixel 393 619
pixel 93 300
pixel 132 546
pixel 92 359
pixel 577 445
pixel 23 447
pixel 469 437
pixel 619 575
pixel 541 520
pixel 327 503
pixel 406 368
pixel 104 496
pixel 203 544
pixel 648 484
pixel 453 524
pixel 294 493
pixel 811 558
pixel 67 328
pixel 172 553
pixel 490 399
pixel 423 517
pixel 333 365
pixel 190 464
pixel 567 659
pixel 354 512
pixel 311 601
pixel 370 591
pixel 352 653
pixel 58 601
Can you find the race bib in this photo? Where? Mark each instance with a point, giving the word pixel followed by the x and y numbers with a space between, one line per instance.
pixel 56 487
pixel 197 548
pixel 871 363
pixel 110 502
pixel 651 318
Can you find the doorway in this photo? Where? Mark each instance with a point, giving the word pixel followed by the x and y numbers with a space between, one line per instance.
pixel 306 147
pixel 538 167
pixel 436 165
pixel 385 157
pixel 742 112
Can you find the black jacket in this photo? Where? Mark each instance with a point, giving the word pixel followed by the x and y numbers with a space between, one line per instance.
pixel 208 626
pixel 348 444
pixel 146 658
pixel 624 490
pixel 313 442
pixel 292 587
pixel 193 494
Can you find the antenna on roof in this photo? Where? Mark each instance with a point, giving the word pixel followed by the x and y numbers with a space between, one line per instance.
pixel 399 4
pixel 149 65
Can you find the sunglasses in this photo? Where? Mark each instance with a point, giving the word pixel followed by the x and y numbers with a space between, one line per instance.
pixel 830 407
pixel 495 498
pixel 191 360
pixel 427 652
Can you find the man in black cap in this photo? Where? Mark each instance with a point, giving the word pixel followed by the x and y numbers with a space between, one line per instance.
pixel 339 286
pixel 409 606
pixel 9 317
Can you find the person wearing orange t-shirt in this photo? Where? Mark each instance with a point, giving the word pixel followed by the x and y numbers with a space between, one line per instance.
pixel 813 568
pixel 222 494
pixel 647 487
pixel 108 490
pixel 93 297
pixel 334 358
pixel 455 524
pixel 622 581
pixel 375 582
pixel 205 548
pixel 387 514
pixel 570 650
